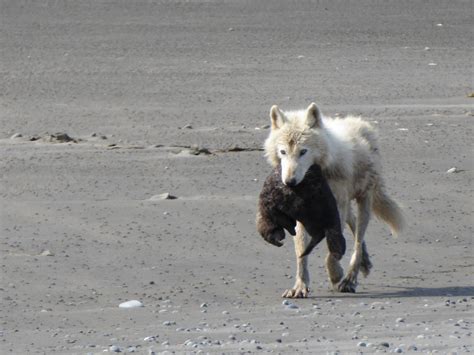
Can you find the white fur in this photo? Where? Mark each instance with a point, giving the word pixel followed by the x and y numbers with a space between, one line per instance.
pixel 348 153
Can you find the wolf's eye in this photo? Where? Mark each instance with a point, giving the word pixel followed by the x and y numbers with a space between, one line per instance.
pixel 303 152
pixel 282 152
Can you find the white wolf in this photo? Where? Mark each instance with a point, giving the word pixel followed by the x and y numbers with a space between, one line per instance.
pixel 347 151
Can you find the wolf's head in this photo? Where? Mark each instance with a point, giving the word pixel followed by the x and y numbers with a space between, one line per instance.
pixel 296 141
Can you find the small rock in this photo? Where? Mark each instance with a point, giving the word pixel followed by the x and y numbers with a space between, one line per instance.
pixel 400 320
pixel 292 306
pixel 60 137
pixel 188 126
pixel 16 135
pixel 413 347
pixel 132 349
pixel 150 338
pixel 131 304
pixel 397 350
pixel 46 253
pixel 285 302
pixel 163 196
pixel 361 344
pixel 384 344
pixel 115 349
pixel 203 305
pixel 265 126
pixel 452 170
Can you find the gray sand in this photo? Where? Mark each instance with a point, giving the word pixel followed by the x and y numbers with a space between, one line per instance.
pixel 82 227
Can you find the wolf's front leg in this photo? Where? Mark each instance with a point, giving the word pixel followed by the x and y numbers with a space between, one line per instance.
pixel 300 289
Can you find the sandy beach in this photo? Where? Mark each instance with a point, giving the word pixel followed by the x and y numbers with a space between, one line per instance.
pixel 155 97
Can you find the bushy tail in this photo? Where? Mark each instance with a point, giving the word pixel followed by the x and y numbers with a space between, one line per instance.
pixel 388 210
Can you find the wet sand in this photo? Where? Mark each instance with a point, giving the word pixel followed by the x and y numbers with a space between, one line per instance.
pixel 164 96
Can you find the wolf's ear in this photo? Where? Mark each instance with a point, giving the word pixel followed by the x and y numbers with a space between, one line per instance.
pixel 277 116
pixel 313 116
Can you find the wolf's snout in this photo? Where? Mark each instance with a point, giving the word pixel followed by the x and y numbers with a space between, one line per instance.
pixel 291 182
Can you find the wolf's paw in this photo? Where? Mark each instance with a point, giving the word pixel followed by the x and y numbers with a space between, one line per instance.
pixel 297 292
pixel 347 286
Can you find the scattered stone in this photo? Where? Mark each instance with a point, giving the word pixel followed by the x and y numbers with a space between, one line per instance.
pixel 16 135
pixel 46 253
pixel 150 338
pixel 163 196
pixel 452 170
pixel 131 304
pixel 168 323
pixel 60 137
pixel 265 126
pixel 115 349
pixel 132 349
pixel 188 126
pixel 361 344
pixel 413 347
pixel 203 305
pixel 200 150
pixel 397 350
pixel 400 320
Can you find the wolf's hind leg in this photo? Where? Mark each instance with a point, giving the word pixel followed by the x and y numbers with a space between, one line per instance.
pixel 333 266
pixel 365 264
pixel 300 289
pixel 349 283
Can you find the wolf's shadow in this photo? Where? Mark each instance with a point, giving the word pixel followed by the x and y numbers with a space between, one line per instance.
pixel 401 292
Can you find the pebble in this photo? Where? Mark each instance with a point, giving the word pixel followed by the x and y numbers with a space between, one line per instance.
pixel 167 323
pixel 115 349
pixel 292 306
pixel 188 126
pixel 150 338
pixel 132 349
pixel 400 320
pixel 452 170
pixel 397 350
pixel 16 135
pixel 46 253
pixel 384 344
pixel 203 305
pixel 131 304
pixel 163 196
pixel 361 344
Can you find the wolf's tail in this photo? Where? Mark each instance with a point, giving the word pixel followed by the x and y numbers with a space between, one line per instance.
pixel 388 210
